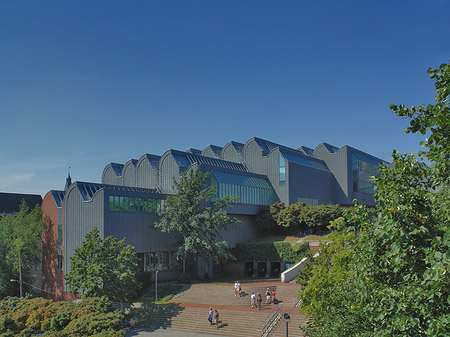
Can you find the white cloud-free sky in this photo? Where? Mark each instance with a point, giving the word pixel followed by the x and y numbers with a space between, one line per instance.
pixel 85 83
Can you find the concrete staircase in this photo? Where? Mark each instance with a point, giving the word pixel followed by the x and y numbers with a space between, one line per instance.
pixel 189 311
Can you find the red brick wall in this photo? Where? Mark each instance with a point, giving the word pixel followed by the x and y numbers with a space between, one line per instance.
pixel 52 281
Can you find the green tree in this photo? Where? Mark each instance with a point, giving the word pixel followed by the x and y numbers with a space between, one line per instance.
pixel 267 216
pixel 398 274
pixel 106 267
pixel 196 214
pixel 20 238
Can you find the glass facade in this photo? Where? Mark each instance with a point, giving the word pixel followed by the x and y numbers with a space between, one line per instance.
pixel 282 167
pixel 135 205
pixel 60 235
pixel 153 261
pixel 362 171
pixel 250 190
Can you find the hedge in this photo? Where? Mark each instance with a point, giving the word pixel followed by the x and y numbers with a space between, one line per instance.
pixel 271 251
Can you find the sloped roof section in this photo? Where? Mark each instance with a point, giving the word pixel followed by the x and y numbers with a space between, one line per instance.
pixel 58 197
pixel 117 168
pixel 216 149
pixel 187 159
pixel 88 190
pixel 265 145
pixel 239 147
pixel 297 158
pixel 306 150
pixel 10 202
pixel 240 179
pixel 193 151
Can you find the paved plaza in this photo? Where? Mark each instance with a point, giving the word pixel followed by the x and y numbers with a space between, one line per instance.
pixel 187 313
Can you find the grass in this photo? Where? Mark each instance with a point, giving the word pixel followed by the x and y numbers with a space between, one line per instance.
pixel 166 290
pixel 277 238
pixel 315 238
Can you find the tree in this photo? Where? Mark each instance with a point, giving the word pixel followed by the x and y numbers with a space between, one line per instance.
pixel 104 268
pixel 20 238
pixel 267 216
pixel 196 214
pixel 399 271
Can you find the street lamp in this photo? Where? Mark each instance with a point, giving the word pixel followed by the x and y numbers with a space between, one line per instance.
pixel 156 286
pixel 30 285
pixel 20 285
pixel 287 318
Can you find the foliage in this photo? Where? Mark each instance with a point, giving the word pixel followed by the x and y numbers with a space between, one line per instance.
pixel 20 232
pixel 91 317
pixel 184 278
pixel 267 217
pixel 94 323
pixel 199 221
pixel 166 290
pixel 272 251
pixel 395 275
pixel 104 268
pixel 298 217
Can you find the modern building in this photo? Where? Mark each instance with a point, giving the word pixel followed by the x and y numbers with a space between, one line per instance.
pixel 10 202
pixel 259 172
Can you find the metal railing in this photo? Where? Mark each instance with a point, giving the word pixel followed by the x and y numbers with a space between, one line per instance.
pixel 270 322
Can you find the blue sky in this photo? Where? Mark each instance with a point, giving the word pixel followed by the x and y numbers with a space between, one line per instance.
pixel 86 83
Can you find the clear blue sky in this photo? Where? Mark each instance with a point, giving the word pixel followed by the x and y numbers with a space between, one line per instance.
pixel 86 83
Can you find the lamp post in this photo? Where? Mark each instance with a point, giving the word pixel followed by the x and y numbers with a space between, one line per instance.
pixel 287 318
pixel 156 286
pixel 30 285
pixel 20 272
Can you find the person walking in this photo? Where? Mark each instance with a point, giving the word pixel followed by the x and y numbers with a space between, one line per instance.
pixel 216 319
pixel 259 300
pixel 239 288
pixel 235 288
pixel 274 300
pixel 210 317
pixel 253 300
pixel 268 295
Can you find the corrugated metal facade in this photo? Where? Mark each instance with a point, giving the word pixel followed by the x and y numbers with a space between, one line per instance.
pixel 80 217
pixel 319 176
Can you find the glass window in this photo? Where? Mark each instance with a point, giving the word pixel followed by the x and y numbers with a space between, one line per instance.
pixel 362 172
pixel 164 260
pixel 60 235
pixel 282 167
pixel 59 266
pixel 111 203
pixel 154 265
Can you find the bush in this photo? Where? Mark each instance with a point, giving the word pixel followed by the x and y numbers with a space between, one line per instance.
pixel 94 323
pixel 271 251
pixel 91 317
pixel 184 278
pixel 7 324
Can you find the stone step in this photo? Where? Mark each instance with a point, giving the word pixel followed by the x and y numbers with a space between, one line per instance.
pixel 224 295
pixel 189 310
pixel 233 323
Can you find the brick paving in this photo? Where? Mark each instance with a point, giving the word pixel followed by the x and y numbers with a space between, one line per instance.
pixel 188 311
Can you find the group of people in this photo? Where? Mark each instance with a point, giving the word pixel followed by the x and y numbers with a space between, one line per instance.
pixel 256 299
pixel 213 314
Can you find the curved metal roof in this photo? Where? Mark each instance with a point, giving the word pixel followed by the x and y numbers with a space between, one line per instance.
pixel 298 158
pixel 58 197
pixel 240 179
pixel 187 159
pixel 88 190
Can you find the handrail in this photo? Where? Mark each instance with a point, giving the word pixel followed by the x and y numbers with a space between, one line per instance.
pixel 268 324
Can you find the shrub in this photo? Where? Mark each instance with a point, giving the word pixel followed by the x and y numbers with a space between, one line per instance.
pixel 7 324
pixel 184 278
pixel 94 323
